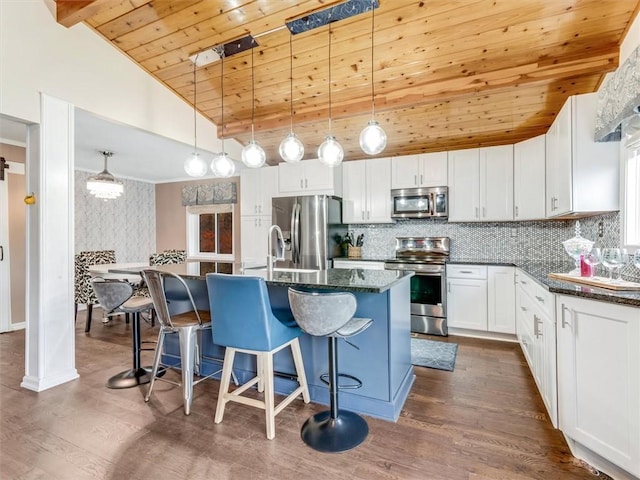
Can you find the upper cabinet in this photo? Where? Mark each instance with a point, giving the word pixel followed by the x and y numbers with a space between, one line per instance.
pixel 309 177
pixel 423 170
pixel 481 184
pixel 257 187
pixel 529 179
pixel 366 189
pixel 581 174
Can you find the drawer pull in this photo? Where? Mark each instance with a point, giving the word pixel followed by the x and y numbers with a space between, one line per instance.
pixel 540 299
pixel 523 308
pixel 466 271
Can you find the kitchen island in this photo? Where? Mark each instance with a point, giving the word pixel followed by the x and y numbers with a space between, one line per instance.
pixel 382 359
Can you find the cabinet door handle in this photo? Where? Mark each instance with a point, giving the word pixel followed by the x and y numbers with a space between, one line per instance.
pixel 536 326
pixel 421 180
pixel 476 212
pixel 301 183
pixel 516 210
pixel 540 299
pixel 368 214
pixel 1 253
pixel 306 183
pixel 449 287
pixel 415 180
pixel 484 212
pixel 362 213
pixel 523 282
pixel 565 323
pixel 523 308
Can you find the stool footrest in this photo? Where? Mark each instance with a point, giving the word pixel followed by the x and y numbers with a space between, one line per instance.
pixel 324 378
pixel 326 434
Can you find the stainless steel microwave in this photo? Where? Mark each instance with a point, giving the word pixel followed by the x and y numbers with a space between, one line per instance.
pixel 419 202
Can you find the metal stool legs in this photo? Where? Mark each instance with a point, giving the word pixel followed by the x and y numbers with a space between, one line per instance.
pixel 334 430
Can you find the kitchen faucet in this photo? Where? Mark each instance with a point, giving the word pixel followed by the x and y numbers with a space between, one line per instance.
pixel 271 259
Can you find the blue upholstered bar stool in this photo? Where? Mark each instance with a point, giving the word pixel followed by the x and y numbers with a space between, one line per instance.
pixel 244 322
pixel 330 315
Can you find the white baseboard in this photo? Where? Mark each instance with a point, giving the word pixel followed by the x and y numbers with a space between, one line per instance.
pixel 465 332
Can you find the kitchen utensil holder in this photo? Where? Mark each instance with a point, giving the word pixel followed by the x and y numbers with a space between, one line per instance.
pixel 354 252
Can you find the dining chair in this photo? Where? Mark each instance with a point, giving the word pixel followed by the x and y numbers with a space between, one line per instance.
pixel 83 290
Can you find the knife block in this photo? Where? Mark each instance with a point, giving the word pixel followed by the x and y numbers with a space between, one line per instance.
pixel 354 252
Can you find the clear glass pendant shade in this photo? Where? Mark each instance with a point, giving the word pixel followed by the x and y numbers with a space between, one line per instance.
pixel 195 166
pixel 104 186
pixel 330 152
pixel 222 165
pixel 373 139
pixel 291 148
pixel 253 155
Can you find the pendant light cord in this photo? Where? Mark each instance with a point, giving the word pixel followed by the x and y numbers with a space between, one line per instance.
pixel 195 130
pixel 291 80
pixel 221 52
pixel 253 96
pixel 373 102
pixel 329 77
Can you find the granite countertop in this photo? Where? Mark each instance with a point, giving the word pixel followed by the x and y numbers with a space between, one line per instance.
pixel 350 280
pixel 539 270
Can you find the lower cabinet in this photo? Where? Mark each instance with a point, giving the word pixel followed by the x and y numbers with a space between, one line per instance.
pixel 599 381
pixel 254 230
pixel 536 332
pixel 481 298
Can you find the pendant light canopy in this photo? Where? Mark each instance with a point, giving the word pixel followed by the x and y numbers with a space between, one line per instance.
pixel 373 139
pixel 330 151
pixel 104 185
pixel 195 166
pixel 222 165
pixel 291 148
pixel 253 154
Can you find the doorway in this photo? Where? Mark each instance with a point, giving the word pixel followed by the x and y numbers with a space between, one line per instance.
pixel 12 239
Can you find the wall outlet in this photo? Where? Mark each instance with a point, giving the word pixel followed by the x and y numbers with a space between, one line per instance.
pixel 600 229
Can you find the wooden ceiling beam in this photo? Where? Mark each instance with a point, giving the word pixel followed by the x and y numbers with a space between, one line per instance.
pixel 70 12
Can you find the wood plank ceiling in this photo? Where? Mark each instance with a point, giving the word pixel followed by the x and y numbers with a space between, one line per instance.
pixel 448 74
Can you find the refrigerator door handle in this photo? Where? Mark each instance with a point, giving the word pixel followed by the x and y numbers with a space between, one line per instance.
pixel 297 230
pixel 293 232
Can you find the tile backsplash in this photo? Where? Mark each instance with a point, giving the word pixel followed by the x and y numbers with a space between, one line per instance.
pixel 501 242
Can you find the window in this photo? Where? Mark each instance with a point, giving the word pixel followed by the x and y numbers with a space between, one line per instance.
pixel 631 193
pixel 210 232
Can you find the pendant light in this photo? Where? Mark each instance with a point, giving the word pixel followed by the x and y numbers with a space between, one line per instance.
pixel 195 166
pixel 222 165
pixel 253 154
pixel 104 185
pixel 330 152
pixel 291 148
pixel 373 139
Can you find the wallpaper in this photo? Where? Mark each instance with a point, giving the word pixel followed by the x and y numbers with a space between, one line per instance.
pixel 126 224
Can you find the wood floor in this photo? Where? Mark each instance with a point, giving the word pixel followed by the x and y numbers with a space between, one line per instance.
pixel 485 420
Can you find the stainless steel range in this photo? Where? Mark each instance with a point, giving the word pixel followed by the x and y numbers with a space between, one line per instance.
pixel 426 256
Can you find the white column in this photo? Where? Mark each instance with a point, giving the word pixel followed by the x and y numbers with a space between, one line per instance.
pixel 50 332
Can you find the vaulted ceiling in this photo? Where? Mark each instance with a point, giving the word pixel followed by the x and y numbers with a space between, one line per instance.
pixel 448 74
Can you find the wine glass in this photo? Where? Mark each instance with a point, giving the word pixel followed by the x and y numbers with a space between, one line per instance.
pixel 624 259
pixel 636 258
pixel 611 259
pixel 593 258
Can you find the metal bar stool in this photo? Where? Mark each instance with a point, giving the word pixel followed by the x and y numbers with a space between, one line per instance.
pixel 244 322
pixel 331 315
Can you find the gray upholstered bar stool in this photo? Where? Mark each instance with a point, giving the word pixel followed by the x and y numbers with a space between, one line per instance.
pixel 330 315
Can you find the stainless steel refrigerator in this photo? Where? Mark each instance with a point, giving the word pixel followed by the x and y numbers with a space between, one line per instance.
pixel 312 229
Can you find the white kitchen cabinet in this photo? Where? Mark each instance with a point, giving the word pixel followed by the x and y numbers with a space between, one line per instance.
pixel 254 230
pixel 501 299
pixel 421 170
pixel 529 179
pixel 362 264
pixel 366 191
pixel 257 187
pixel 467 296
pixel 481 184
pixel 536 332
pixel 581 174
pixel 309 177
pixel 599 380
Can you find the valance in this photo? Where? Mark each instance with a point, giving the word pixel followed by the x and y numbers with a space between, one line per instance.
pixel 618 98
pixel 210 194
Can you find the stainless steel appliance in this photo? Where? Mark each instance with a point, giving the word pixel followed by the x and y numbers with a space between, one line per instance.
pixel 312 229
pixel 419 202
pixel 426 256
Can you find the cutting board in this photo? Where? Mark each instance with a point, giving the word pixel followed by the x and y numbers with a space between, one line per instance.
pixel 601 282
